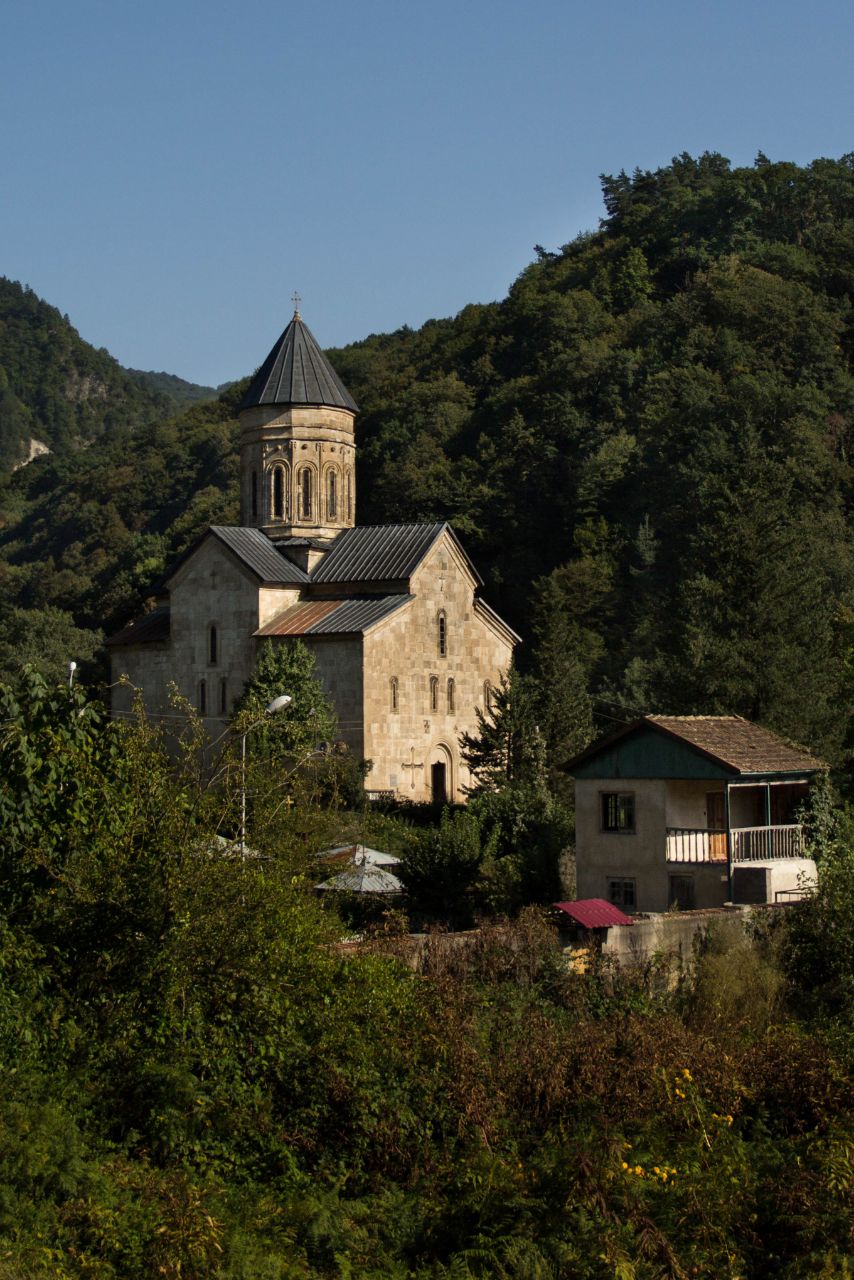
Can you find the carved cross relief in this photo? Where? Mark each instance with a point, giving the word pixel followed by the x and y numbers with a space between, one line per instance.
pixel 413 765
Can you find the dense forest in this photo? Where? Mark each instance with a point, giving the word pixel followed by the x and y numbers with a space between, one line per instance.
pixel 646 448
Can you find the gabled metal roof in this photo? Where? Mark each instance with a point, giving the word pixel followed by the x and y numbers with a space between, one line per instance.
pixel 149 629
pixel 297 372
pixel 377 553
pixel 480 606
pixel 333 617
pixel 257 552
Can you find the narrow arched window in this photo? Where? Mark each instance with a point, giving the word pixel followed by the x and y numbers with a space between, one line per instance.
pixel 332 495
pixel 395 693
pixel 434 693
pixel 451 695
pixel 305 496
pixel 254 495
pixel 223 696
pixel 487 696
pixel 203 698
pixel 349 494
pixel 278 493
pixel 212 646
pixel 443 635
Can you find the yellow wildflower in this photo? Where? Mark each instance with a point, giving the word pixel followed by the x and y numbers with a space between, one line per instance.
pixel 686 1074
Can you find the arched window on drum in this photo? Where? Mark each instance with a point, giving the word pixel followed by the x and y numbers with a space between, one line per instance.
pixel 332 493
pixel 281 495
pixel 305 493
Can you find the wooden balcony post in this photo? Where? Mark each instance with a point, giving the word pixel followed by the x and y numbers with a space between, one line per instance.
pixel 768 819
pixel 728 818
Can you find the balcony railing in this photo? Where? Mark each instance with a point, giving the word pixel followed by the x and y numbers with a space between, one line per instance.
pixel 749 844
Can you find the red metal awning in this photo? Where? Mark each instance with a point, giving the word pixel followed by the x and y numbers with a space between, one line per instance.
pixel 593 913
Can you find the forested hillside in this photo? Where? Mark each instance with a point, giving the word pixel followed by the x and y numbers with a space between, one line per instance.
pixel 646 448
pixel 60 391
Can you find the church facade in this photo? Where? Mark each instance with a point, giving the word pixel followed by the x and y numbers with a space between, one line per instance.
pixel 404 645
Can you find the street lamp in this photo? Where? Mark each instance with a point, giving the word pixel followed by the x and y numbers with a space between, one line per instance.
pixel 271 709
pixel 72 667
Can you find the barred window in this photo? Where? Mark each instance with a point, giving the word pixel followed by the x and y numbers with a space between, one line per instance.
pixel 618 811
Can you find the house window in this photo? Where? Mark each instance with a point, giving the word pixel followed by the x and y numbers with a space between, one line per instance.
pixel 332 496
pixel 254 495
pixel 394 694
pixel 681 894
pixel 618 811
pixel 223 696
pixel 451 692
pixel 305 497
pixel 203 698
pixel 621 892
pixel 434 693
pixel 212 646
pixel 443 635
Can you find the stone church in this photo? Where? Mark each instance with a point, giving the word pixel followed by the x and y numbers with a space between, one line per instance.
pixel 405 647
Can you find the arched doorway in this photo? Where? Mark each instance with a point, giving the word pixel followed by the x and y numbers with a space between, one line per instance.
pixel 441 775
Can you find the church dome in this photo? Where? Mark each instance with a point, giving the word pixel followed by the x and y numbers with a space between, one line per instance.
pixel 296 372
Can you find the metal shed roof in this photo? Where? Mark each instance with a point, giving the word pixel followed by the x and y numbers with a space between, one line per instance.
pixel 297 372
pixel 364 879
pixel 377 553
pixel 593 913
pixel 333 617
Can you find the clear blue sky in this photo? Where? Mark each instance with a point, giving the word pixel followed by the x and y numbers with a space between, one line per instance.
pixel 171 172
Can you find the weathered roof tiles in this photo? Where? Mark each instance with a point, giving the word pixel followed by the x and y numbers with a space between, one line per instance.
pixel 738 743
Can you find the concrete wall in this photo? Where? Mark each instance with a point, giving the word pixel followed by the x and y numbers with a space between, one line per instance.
pixel 639 855
pixel 406 647
pixel 773 881
pixel 686 801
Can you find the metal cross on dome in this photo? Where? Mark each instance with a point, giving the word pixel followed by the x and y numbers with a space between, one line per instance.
pixel 296 300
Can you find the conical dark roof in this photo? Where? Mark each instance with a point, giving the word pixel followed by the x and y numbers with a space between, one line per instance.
pixel 297 372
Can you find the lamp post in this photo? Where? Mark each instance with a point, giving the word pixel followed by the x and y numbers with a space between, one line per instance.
pixel 72 667
pixel 271 709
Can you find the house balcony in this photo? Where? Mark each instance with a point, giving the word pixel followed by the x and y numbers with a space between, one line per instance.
pixel 749 844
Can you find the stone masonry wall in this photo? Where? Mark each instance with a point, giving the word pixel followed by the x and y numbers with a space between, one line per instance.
pixel 406 647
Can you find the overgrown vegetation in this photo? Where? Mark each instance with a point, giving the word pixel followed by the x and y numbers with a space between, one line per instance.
pixel 198 1081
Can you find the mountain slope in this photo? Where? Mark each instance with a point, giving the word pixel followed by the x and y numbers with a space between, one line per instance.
pixel 646 447
pixel 58 390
